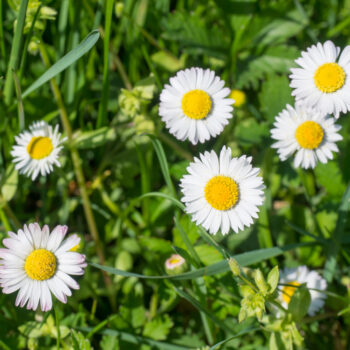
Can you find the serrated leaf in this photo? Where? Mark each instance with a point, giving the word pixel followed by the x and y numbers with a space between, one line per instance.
pixel 80 342
pixel 158 328
pixel 276 59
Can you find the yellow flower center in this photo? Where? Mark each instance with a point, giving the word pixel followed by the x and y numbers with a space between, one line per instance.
pixel 239 97
pixel 174 261
pixel 309 134
pixel 288 291
pixel 196 104
pixel 39 147
pixel 221 192
pixel 329 77
pixel 40 264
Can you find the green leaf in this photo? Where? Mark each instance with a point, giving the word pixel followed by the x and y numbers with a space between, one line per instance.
pixel 94 138
pixel 158 328
pixel 329 176
pixel 9 183
pixel 299 303
pixel 222 266
pixel 275 94
pixel 80 342
pixel 65 61
pixel 273 278
pixel 276 59
pixel 168 62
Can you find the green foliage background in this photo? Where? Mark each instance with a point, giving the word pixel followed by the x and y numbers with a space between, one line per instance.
pixel 251 45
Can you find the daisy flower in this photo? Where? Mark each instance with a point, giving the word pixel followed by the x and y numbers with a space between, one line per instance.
pixel 37 150
pixel 37 263
pixel 194 106
pixel 175 264
pixel 222 192
pixel 307 132
pixel 323 79
pixel 297 276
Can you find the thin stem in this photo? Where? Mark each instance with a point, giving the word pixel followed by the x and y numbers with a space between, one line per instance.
pixel 178 149
pixel 102 113
pixel 118 63
pixel 58 340
pixel 15 52
pixel 77 167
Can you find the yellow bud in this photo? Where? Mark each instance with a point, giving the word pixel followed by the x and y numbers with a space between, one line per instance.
pixel 239 96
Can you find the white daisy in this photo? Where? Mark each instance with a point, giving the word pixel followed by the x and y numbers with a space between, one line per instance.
pixel 307 132
pixel 174 261
pixel 222 193
pixel 297 276
pixel 37 150
pixel 323 79
pixel 38 263
pixel 194 106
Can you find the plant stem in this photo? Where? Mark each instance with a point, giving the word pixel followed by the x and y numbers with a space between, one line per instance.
pixel 2 38
pixel 58 340
pixel 102 112
pixel 15 52
pixel 77 166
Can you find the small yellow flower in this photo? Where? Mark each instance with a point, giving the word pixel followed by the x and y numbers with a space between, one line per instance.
pixel 239 96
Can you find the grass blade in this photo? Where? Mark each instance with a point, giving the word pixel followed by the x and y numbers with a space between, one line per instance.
pixel 65 61
pixel 15 51
pixel 244 259
pixel 136 339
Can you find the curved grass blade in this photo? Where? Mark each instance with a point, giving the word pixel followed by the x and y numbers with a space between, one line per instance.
pixel 65 61
pixel 163 163
pixel 203 309
pixel 245 331
pixel 163 195
pixel 136 339
pixel 222 266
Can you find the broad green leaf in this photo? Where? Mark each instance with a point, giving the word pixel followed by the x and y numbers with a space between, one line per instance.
pixel 330 177
pixel 170 63
pixel 299 303
pixel 9 183
pixel 275 94
pixel 65 61
pixel 273 278
pixel 94 138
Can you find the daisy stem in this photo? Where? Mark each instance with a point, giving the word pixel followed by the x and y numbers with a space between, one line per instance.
pixel 77 169
pixel 58 339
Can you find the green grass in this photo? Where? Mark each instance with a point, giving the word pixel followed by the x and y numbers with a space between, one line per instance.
pixel 97 69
